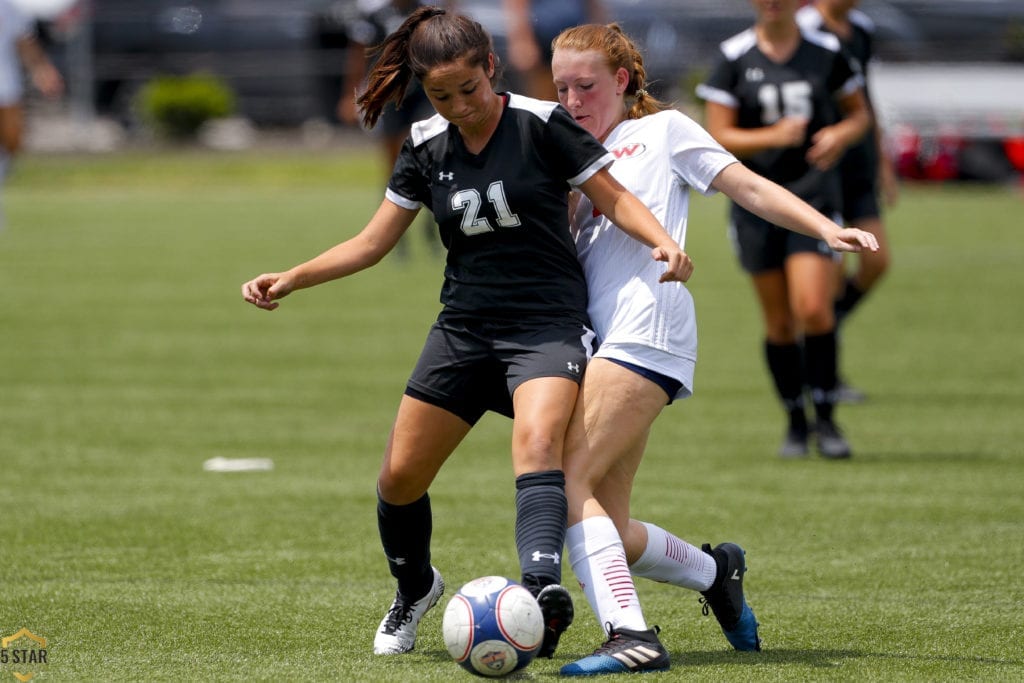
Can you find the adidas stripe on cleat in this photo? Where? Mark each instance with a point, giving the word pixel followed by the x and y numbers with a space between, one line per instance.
pixel 397 631
pixel 625 651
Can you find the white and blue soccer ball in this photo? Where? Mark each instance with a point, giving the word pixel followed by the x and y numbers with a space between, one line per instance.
pixel 493 626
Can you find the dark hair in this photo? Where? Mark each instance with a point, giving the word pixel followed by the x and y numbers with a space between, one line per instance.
pixel 619 52
pixel 428 38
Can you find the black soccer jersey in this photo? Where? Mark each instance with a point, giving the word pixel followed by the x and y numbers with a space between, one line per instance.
pixel 861 160
pixel 503 213
pixel 762 91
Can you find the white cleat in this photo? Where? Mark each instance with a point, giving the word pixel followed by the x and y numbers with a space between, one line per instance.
pixel 397 631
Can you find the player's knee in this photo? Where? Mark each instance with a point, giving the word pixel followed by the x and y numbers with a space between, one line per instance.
pixel 398 489
pixel 537 451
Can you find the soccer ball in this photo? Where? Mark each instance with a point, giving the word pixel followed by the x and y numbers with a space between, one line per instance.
pixel 493 626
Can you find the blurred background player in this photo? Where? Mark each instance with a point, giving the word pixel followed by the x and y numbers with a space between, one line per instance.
pixel 377 19
pixel 788 103
pixel 532 25
pixel 19 48
pixel 865 169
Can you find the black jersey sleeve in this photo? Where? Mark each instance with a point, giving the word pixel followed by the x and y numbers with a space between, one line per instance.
pixel 409 186
pixel 845 76
pixel 720 85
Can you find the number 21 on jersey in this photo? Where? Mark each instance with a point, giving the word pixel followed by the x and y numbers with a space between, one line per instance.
pixel 469 203
pixel 792 98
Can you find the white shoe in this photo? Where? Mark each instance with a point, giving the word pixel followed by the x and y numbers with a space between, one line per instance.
pixel 397 631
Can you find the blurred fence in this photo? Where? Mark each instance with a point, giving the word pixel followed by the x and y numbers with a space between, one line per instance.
pixel 944 67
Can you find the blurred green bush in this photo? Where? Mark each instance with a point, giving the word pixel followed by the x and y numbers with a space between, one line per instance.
pixel 177 106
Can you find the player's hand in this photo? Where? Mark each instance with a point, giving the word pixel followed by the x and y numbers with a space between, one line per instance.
pixel 680 266
pixel 264 290
pixel 852 239
pixel 827 148
pixel 790 131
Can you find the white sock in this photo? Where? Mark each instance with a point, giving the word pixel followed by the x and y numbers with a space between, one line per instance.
pixel 668 559
pixel 599 561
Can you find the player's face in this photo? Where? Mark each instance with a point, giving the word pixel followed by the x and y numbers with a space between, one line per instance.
pixel 769 11
pixel 462 94
pixel 590 90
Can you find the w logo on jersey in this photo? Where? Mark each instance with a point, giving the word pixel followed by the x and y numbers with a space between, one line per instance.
pixel 630 150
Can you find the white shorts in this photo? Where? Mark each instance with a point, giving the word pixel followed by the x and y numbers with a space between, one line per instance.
pixel 664 363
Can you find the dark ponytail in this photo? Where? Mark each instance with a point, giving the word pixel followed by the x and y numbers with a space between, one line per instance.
pixel 428 38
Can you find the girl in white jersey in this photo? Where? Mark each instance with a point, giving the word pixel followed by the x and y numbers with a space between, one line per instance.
pixel 19 48
pixel 647 349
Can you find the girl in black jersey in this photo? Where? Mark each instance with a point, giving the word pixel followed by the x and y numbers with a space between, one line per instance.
pixel 789 104
pixel 865 170
pixel 495 169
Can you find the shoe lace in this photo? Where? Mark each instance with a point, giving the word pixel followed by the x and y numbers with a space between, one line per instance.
pixel 399 614
pixel 705 606
pixel 615 639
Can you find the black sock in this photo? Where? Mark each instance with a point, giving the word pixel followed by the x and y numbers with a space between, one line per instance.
pixel 820 356
pixel 542 513
pixel 786 366
pixel 848 300
pixel 405 534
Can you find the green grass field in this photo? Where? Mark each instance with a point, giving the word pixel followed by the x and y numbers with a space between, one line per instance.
pixel 127 359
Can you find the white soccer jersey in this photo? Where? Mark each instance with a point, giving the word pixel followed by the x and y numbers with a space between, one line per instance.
pixel 658 158
pixel 13 26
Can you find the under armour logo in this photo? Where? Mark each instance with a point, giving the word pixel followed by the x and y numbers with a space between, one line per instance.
pixel 575 367
pixel 754 74
pixel 554 557
pixel 446 176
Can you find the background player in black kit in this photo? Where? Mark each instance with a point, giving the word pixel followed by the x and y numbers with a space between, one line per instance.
pixel 789 104
pixel 513 336
pixel 865 170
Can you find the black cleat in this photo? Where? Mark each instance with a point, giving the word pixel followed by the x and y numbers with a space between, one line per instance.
pixel 725 597
pixel 556 608
pixel 831 443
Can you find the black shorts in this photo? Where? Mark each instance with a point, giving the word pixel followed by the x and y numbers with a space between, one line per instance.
pixel 858 173
pixel 762 246
pixel 470 366
pixel 860 198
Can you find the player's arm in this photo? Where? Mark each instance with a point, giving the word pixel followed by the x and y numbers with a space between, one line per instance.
pixel 523 51
pixel 41 70
pixel 634 218
pixel 779 206
pixel 367 248
pixel 721 121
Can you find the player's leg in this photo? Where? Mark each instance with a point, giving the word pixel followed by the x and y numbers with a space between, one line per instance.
pixel 783 356
pixel 809 276
pixel 11 124
pixel 542 407
pixel 871 268
pixel 606 443
pixel 423 437
pixel 718 574
pixel 854 287
pixel 11 128
pixel 438 409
